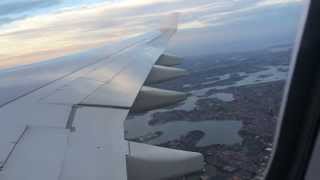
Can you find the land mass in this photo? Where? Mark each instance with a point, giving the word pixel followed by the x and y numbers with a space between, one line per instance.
pixel 245 87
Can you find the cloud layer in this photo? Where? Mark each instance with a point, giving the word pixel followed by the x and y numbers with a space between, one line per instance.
pixel 204 24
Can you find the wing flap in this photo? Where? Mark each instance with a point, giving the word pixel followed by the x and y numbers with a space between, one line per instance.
pixel 38 155
pixel 9 138
pixel 96 146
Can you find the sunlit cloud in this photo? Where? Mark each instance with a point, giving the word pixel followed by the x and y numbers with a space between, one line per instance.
pixel 134 3
pixel 192 25
pixel 277 2
pixel 20 6
pixel 74 28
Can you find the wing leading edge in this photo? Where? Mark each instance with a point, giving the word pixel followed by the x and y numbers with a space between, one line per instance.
pixel 63 119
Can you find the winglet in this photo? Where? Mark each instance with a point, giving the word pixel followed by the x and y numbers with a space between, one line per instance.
pixel 170 23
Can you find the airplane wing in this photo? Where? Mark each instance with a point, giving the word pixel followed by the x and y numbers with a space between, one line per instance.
pixel 62 119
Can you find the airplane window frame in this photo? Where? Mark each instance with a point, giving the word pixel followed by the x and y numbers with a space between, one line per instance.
pixel 300 116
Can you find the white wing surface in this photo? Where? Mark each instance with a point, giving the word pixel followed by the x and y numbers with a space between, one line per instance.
pixel 62 119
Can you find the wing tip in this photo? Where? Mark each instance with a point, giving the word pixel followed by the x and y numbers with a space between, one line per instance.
pixel 170 23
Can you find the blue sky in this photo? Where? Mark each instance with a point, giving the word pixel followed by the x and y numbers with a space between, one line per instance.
pixel 33 30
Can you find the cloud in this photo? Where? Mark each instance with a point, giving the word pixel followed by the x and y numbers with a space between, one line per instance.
pixel 240 30
pixel 5 20
pixel 74 28
pixel 193 25
pixel 20 6
pixel 71 29
pixel 277 2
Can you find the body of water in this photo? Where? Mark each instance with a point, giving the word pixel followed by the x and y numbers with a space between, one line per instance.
pixel 216 131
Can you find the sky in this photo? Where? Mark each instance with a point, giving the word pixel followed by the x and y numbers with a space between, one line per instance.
pixel 36 30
